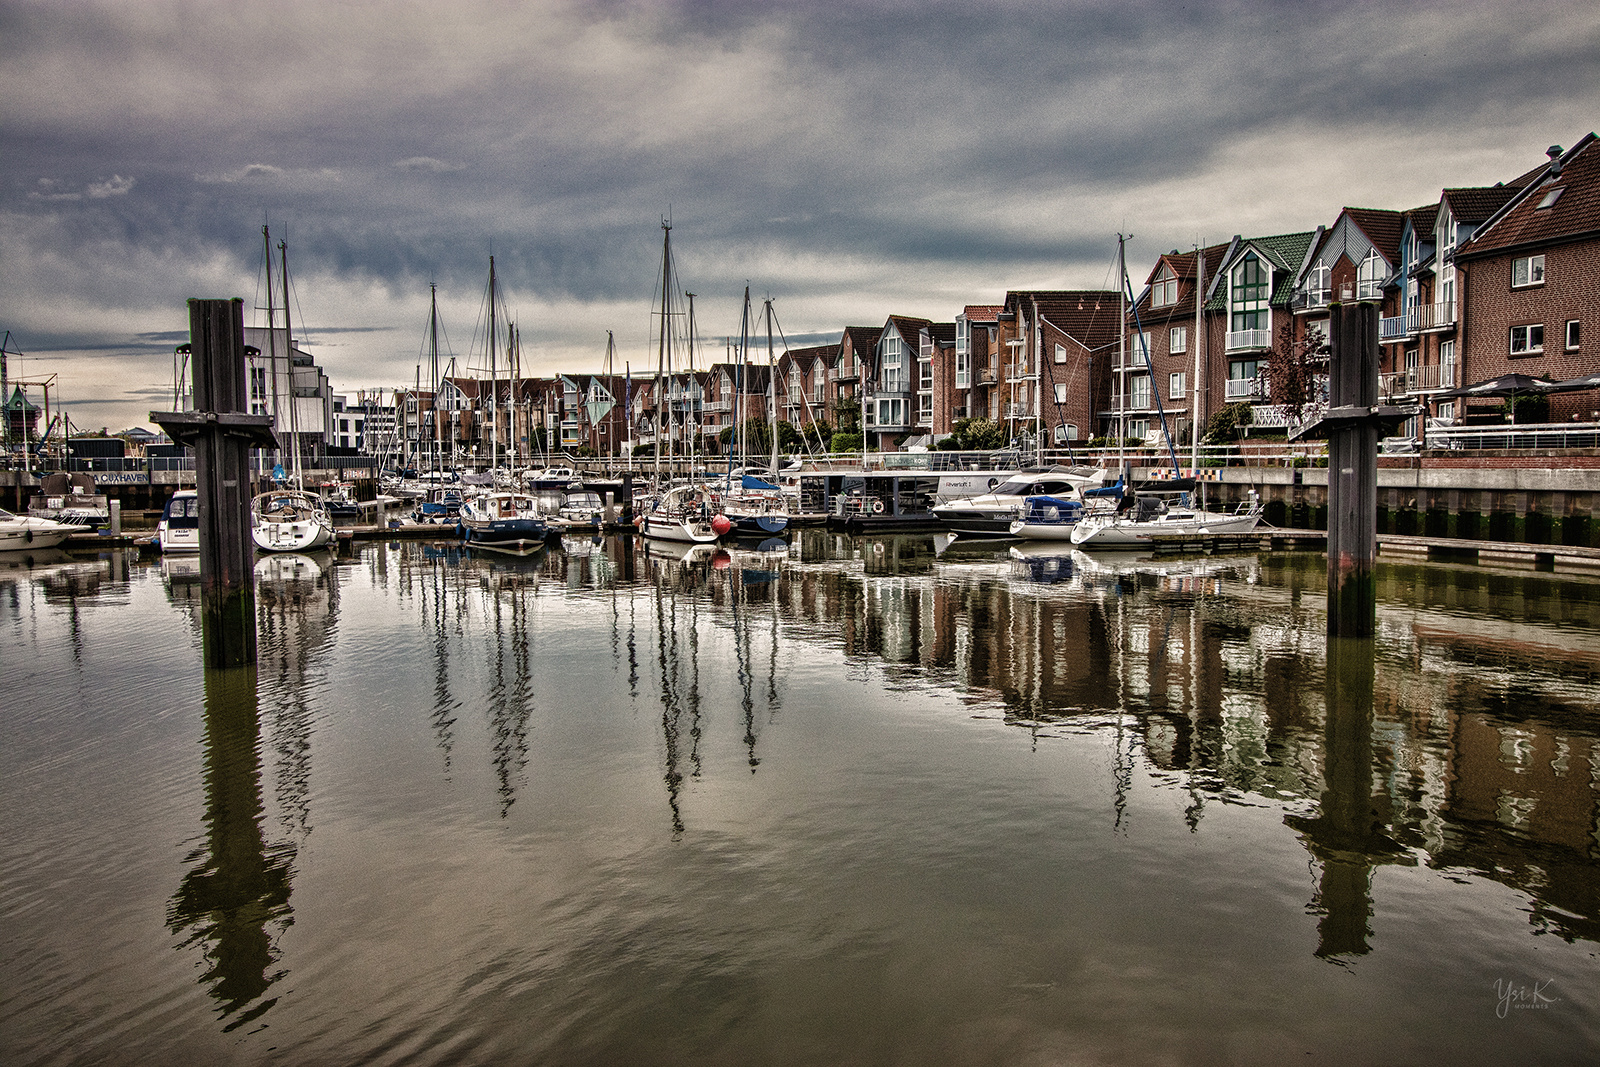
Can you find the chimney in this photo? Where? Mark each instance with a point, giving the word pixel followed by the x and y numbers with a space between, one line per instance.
pixel 1554 152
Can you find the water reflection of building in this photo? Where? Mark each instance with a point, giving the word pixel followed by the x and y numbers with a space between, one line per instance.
pixel 1479 750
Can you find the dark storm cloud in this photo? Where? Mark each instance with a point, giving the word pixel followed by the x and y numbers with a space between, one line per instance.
pixel 855 159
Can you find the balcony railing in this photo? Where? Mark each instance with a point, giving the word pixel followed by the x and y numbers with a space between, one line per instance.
pixel 1440 316
pixel 1419 379
pixel 1246 389
pixel 1018 411
pixel 987 375
pixel 717 405
pixel 1240 340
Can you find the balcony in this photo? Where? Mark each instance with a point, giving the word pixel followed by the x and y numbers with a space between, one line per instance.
pixel 1441 316
pixel 987 376
pixel 1246 340
pixel 717 405
pixel 1018 411
pixel 1418 379
pixel 1246 389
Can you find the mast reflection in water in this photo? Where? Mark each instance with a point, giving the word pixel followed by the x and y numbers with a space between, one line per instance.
pixel 858 799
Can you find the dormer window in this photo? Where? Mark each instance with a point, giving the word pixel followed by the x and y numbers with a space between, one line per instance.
pixel 1164 290
pixel 1319 285
pixel 1249 303
pixel 1369 279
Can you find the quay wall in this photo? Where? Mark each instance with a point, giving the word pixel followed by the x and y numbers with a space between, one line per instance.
pixel 1541 500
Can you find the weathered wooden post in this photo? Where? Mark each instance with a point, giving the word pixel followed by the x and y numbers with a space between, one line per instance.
pixel 222 432
pixel 1352 424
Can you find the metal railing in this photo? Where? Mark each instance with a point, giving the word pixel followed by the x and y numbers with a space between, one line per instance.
pixel 1246 389
pixel 1239 340
pixel 1418 379
pixel 1511 436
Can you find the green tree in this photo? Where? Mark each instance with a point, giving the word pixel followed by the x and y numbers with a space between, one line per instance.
pixel 977 435
pixel 1225 423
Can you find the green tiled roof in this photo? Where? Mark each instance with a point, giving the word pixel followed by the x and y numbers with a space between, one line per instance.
pixel 1286 251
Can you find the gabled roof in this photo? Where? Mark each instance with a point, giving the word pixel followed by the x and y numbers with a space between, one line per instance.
pixel 908 327
pixel 1287 252
pixel 1382 229
pixel 1089 316
pixel 1183 267
pixel 863 339
pixel 982 312
pixel 1473 205
pixel 1574 214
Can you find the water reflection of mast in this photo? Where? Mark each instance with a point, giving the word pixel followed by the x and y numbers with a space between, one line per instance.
pixel 670 713
pixel 510 705
pixel 240 884
pixel 298 602
pixel 442 718
pixel 741 646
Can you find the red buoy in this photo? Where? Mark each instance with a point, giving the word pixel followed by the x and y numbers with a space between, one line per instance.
pixel 721 525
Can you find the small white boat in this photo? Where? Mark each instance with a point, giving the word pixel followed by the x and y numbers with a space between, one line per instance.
pixel 289 520
pixel 1047 518
pixel 686 513
pixel 71 499
pixel 27 531
pixel 178 529
pixel 1152 516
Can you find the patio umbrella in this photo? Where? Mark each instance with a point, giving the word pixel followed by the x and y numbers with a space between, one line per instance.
pixel 1510 385
pixel 1573 385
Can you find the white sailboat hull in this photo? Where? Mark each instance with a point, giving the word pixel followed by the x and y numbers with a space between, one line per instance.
pixel 1122 532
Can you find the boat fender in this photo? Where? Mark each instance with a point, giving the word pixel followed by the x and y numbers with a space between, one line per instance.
pixel 461 531
pixel 877 507
pixel 721 525
pixel 27 536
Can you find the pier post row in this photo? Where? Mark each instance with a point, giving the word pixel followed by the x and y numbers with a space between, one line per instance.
pixel 222 433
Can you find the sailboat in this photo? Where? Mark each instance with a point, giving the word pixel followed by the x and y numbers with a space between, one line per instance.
pixel 286 518
pixel 755 506
pixel 1158 509
pixel 503 520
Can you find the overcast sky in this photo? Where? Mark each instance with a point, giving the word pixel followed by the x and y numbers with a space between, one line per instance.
pixel 851 160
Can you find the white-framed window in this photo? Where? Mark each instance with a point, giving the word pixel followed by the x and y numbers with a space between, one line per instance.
pixel 1139 391
pixel 1319 285
pixel 1175 385
pixel 1572 335
pixel 1061 392
pixel 1248 295
pixel 1067 431
pixel 1447 364
pixel 925 373
pixel 1178 339
pixel 894 371
pixel 1164 290
pixel 1138 345
pixel 963 352
pixel 1138 427
pixel 891 411
pixel 924 408
pixel 1527 271
pixel 1061 353
pixel 1527 340
pixel 1369 279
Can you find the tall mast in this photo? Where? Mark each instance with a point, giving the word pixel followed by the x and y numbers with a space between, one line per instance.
pixel 433 371
pixel 663 357
pixel 494 408
pixel 1119 380
pixel 1197 387
pixel 288 344
pixel 690 391
pixel 772 389
pixel 1036 346
pixel 611 373
pixel 272 337
pixel 744 348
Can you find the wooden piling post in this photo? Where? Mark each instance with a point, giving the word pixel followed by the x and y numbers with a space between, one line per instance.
pixel 222 432
pixel 1353 471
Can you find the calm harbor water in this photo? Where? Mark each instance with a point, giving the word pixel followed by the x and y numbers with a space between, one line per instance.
pixel 857 801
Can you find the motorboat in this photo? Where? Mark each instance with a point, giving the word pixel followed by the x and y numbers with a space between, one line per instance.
pixel 339 501
pixel 757 508
pixel 503 520
pixel 289 520
pixel 990 514
pixel 178 529
pixel 30 531
pixel 72 499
